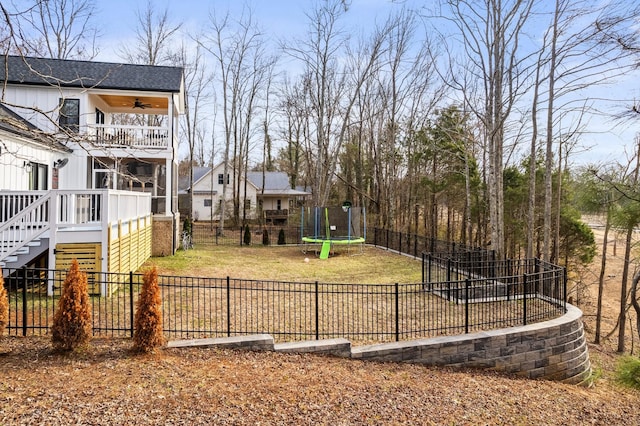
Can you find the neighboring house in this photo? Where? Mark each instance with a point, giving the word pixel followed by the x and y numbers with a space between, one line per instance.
pixel 91 147
pixel 270 195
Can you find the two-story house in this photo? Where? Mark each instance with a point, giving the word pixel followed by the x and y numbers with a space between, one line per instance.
pixel 88 153
pixel 268 194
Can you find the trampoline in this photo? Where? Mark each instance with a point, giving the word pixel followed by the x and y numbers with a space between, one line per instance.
pixel 327 227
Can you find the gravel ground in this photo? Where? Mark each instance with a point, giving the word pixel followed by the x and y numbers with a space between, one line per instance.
pixel 107 385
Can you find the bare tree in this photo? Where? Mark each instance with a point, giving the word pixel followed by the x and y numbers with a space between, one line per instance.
pixel 575 61
pixel 334 74
pixel 197 82
pixel 491 33
pixel 244 68
pixel 59 29
pixel 154 33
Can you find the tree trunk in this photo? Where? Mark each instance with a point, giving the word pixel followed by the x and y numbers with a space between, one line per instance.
pixel 603 267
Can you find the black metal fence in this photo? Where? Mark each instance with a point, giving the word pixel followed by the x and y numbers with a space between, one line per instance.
pixel 458 294
pixel 207 234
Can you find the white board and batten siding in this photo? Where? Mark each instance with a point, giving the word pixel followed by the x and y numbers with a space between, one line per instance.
pixel 15 155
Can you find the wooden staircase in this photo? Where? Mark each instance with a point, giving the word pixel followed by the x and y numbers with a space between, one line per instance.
pixel 23 232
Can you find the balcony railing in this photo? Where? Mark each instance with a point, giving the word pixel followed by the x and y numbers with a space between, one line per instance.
pixel 119 136
pixel 276 214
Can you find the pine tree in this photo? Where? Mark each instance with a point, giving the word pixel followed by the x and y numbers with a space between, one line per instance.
pixel 148 333
pixel 265 237
pixel 72 326
pixel 281 239
pixel 4 306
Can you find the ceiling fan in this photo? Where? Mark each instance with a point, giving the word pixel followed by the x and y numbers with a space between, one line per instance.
pixel 139 104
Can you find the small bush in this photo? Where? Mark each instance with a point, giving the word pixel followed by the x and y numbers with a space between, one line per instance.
pixel 186 225
pixel 265 237
pixel 72 327
pixel 281 240
pixel 628 372
pixel 247 236
pixel 4 306
pixel 147 335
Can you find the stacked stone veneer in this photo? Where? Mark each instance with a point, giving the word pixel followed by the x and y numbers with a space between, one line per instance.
pixel 553 350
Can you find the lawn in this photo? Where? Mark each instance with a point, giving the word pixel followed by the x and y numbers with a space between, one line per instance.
pixel 290 263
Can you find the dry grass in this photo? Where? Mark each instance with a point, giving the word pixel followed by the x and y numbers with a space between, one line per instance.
pixel 287 263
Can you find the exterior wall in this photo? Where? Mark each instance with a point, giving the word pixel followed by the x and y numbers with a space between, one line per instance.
pixel 14 152
pixel 553 350
pixel 203 188
pixel 45 99
pixel 271 203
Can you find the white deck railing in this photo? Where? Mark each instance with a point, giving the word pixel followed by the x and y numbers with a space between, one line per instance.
pixel 112 135
pixel 24 225
pixel 27 215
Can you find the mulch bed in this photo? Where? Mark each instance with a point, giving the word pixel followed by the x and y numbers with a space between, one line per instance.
pixel 107 384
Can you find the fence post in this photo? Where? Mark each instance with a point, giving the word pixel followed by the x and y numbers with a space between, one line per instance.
pixel 228 306
pixel 317 314
pixel 131 313
pixel 397 314
pixel 448 279
pixel 24 301
pixel 564 291
pixel 467 284
pixel 429 264
pixel 524 300
pixel 423 266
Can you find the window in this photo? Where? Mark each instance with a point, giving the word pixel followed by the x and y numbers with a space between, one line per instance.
pixel 69 118
pixel 247 204
pixel 207 202
pixel 279 204
pixel 221 180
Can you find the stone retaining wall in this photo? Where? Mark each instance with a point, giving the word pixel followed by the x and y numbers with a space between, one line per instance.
pixel 552 350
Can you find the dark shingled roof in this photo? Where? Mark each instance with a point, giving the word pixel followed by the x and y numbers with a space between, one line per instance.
pixel 14 123
pixel 102 75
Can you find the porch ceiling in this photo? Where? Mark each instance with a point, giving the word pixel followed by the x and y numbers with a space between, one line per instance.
pixel 123 101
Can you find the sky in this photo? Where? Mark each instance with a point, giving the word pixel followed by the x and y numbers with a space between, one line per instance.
pixel 607 140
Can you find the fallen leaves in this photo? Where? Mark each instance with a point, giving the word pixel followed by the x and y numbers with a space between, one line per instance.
pixel 109 385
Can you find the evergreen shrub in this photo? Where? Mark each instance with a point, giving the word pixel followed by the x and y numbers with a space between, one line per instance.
pixel 4 306
pixel 72 326
pixel 147 334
